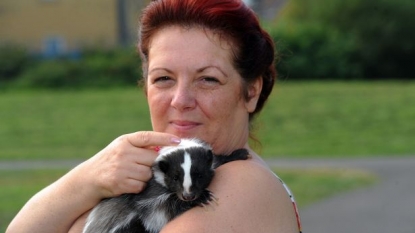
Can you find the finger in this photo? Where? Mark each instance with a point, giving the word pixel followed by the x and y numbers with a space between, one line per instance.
pixel 150 138
pixel 130 180
pixel 142 156
pixel 140 172
pixel 134 186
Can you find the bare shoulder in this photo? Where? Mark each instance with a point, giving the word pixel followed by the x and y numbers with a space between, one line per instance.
pixel 251 199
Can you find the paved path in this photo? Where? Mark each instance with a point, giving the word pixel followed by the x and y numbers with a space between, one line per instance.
pixel 387 207
pixel 38 164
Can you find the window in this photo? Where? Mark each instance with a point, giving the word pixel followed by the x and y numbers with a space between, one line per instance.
pixel 54 46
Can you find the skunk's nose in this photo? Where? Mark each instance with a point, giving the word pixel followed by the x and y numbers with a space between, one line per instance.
pixel 189 196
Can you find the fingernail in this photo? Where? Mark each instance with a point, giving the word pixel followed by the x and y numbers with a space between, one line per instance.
pixel 176 140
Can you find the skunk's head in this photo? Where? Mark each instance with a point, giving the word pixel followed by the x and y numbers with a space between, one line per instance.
pixel 186 169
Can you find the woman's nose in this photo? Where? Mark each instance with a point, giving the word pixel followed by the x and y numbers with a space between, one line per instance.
pixel 184 98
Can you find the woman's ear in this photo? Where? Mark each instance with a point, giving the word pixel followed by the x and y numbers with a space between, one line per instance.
pixel 254 91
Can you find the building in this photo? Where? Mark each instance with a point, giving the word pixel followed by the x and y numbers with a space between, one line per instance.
pixel 64 27
pixel 60 27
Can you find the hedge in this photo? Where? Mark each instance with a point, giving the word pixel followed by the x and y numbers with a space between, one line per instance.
pixel 372 39
pixel 95 68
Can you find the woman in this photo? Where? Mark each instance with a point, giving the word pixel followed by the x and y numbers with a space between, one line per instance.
pixel 208 69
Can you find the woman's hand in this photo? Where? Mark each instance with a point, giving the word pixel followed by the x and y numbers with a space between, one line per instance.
pixel 124 166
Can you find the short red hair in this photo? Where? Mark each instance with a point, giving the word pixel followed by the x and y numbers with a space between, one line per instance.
pixel 232 19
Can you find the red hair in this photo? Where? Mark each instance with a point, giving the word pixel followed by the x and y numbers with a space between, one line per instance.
pixel 233 20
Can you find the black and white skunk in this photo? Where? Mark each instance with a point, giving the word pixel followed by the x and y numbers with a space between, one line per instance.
pixel 181 175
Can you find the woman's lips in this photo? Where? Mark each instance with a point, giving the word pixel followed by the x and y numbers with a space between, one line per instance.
pixel 184 125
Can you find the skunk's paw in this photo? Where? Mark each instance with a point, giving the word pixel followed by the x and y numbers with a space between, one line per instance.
pixel 207 199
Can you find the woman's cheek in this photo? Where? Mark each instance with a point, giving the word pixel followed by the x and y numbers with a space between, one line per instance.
pixel 158 105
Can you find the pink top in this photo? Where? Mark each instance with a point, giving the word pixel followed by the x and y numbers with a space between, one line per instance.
pixel 294 204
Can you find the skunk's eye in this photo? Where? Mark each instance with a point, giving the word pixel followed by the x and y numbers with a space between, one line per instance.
pixel 176 177
pixel 197 175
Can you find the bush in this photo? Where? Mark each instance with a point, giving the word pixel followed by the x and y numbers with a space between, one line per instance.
pixel 311 51
pixel 13 60
pixel 108 68
pixel 378 35
pixel 51 74
pixel 94 69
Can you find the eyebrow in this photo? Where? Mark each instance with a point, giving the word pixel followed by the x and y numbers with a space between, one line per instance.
pixel 209 67
pixel 200 70
pixel 163 69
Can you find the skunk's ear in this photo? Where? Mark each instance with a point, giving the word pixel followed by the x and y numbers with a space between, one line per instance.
pixel 163 165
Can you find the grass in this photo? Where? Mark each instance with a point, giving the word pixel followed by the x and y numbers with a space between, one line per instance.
pixel 318 119
pixel 17 187
pixel 307 185
pixel 311 185
pixel 68 124
pixel 336 119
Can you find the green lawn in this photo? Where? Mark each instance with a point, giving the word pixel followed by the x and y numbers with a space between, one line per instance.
pixel 17 187
pixel 319 119
pixel 67 124
pixel 338 119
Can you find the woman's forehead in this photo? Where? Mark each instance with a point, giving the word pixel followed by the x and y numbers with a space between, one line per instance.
pixel 193 46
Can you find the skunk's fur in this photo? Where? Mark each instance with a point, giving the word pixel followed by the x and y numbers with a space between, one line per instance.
pixel 181 175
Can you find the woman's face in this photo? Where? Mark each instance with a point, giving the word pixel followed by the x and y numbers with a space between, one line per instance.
pixel 193 89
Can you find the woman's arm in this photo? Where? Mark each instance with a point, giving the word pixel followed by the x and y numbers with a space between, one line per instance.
pixel 56 207
pixel 251 199
pixel 122 167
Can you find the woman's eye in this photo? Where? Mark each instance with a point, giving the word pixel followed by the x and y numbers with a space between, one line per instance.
pixel 208 82
pixel 210 79
pixel 161 79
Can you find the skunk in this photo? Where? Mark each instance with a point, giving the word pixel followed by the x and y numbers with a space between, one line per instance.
pixel 181 175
